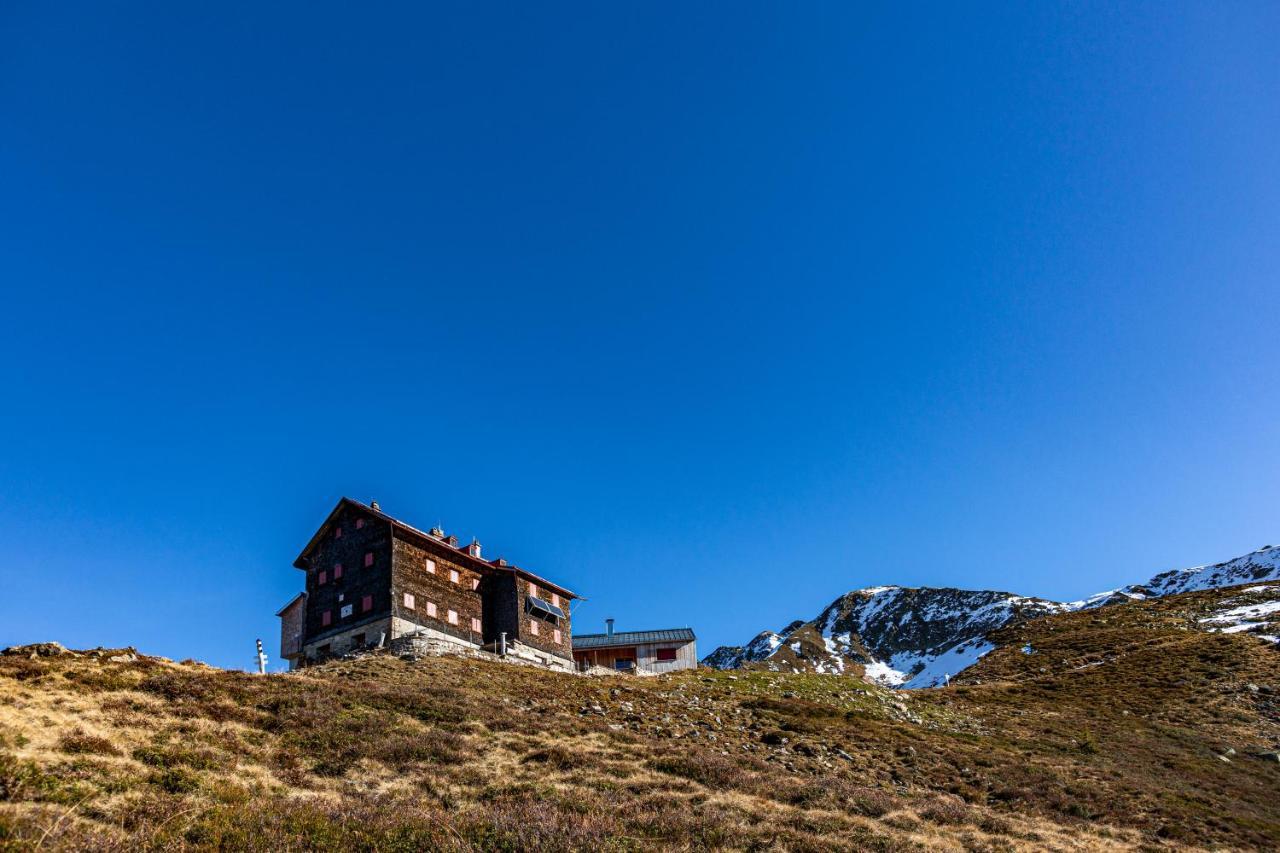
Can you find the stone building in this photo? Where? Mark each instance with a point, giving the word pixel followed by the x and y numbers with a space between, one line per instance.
pixel 373 580
pixel 637 652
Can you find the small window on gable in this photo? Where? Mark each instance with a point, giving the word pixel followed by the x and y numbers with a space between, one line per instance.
pixel 431 566
pixel 322 579
pixel 533 627
pixel 337 570
pixel 359 523
pixel 326 618
pixel 555 600
pixel 453 575
pixel 368 559
pixel 556 635
pixel 475 624
pixel 366 604
pixel 533 590
pixel 408 600
pixel 453 617
pixel 337 532
pixel 666 654
pixel 431 609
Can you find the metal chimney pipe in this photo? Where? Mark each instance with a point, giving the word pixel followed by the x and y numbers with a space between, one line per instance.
pixel 502 644
pixel 608 628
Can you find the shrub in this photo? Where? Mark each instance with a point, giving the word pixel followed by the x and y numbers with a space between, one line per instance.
pixel 80 743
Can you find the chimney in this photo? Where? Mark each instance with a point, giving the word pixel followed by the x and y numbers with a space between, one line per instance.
pixel 437 532
pixel 608 628
pixel 374 506
pixel 474 548
pixel 452 541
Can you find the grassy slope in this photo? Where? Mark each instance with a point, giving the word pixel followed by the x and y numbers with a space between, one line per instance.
pixel 1106 737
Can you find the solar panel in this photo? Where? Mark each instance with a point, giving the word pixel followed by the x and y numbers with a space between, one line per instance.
pixel 545 606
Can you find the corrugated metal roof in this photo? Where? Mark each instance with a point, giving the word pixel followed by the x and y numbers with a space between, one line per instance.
pixel 632 638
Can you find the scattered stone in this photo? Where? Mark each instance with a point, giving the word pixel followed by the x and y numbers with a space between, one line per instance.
pixel 37 650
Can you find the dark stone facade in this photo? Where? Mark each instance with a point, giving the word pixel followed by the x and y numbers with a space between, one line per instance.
pixel 357 581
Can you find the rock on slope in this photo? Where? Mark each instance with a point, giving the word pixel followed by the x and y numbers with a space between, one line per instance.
pixel 911 637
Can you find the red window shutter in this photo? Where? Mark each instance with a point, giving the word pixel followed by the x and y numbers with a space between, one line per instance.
pixel 368 559
pixel 359 523
pixel 337 533
pixel 326 617
pixel 366 604
pixel 323 579
pixel 666 654
pixel 337 571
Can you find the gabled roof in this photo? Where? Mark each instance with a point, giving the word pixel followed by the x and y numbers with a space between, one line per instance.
pixel 454 551
pixel 292 602
pixel 632 638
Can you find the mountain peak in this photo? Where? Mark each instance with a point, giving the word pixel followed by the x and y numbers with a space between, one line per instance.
pixel 920 636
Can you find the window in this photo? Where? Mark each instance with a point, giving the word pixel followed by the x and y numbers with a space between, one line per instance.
pixel 345 611
pixel 666 654
pixel 533 627
pixel 368 559
pixel 322 579
pixel 624 663
pixel 337 571
pixel 431 609
pixel 431 566
pixel 337 532
pixel 555 599
pixel 326 618
pixel 556 635
pixel 359 523
pixel 453 575
pixel 453 617
pixel 366 604
pixel 533 590
pixel 408 600
pixel 475 624
pixel 475 583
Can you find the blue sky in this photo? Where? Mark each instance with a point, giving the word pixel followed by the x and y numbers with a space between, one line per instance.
pixel 710 313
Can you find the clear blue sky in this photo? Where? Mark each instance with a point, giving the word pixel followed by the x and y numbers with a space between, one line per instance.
pixel 712 314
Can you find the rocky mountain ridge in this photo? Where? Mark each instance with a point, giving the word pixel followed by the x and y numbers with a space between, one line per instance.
pixel 921 637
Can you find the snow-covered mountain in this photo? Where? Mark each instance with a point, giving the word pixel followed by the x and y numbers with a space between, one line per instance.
pixel 1261 565
pixel 920 637
pixel 902 636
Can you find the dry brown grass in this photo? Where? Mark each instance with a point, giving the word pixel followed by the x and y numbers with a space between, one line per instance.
pixel 384 754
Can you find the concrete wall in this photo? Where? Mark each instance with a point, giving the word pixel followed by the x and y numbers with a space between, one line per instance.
pixel 342 642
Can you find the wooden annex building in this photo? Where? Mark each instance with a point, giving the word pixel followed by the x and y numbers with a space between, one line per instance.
pixel 371 579
pixel 637 652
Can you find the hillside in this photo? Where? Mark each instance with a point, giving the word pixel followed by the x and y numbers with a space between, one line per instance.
pixel 919 637
pixel 1124 728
